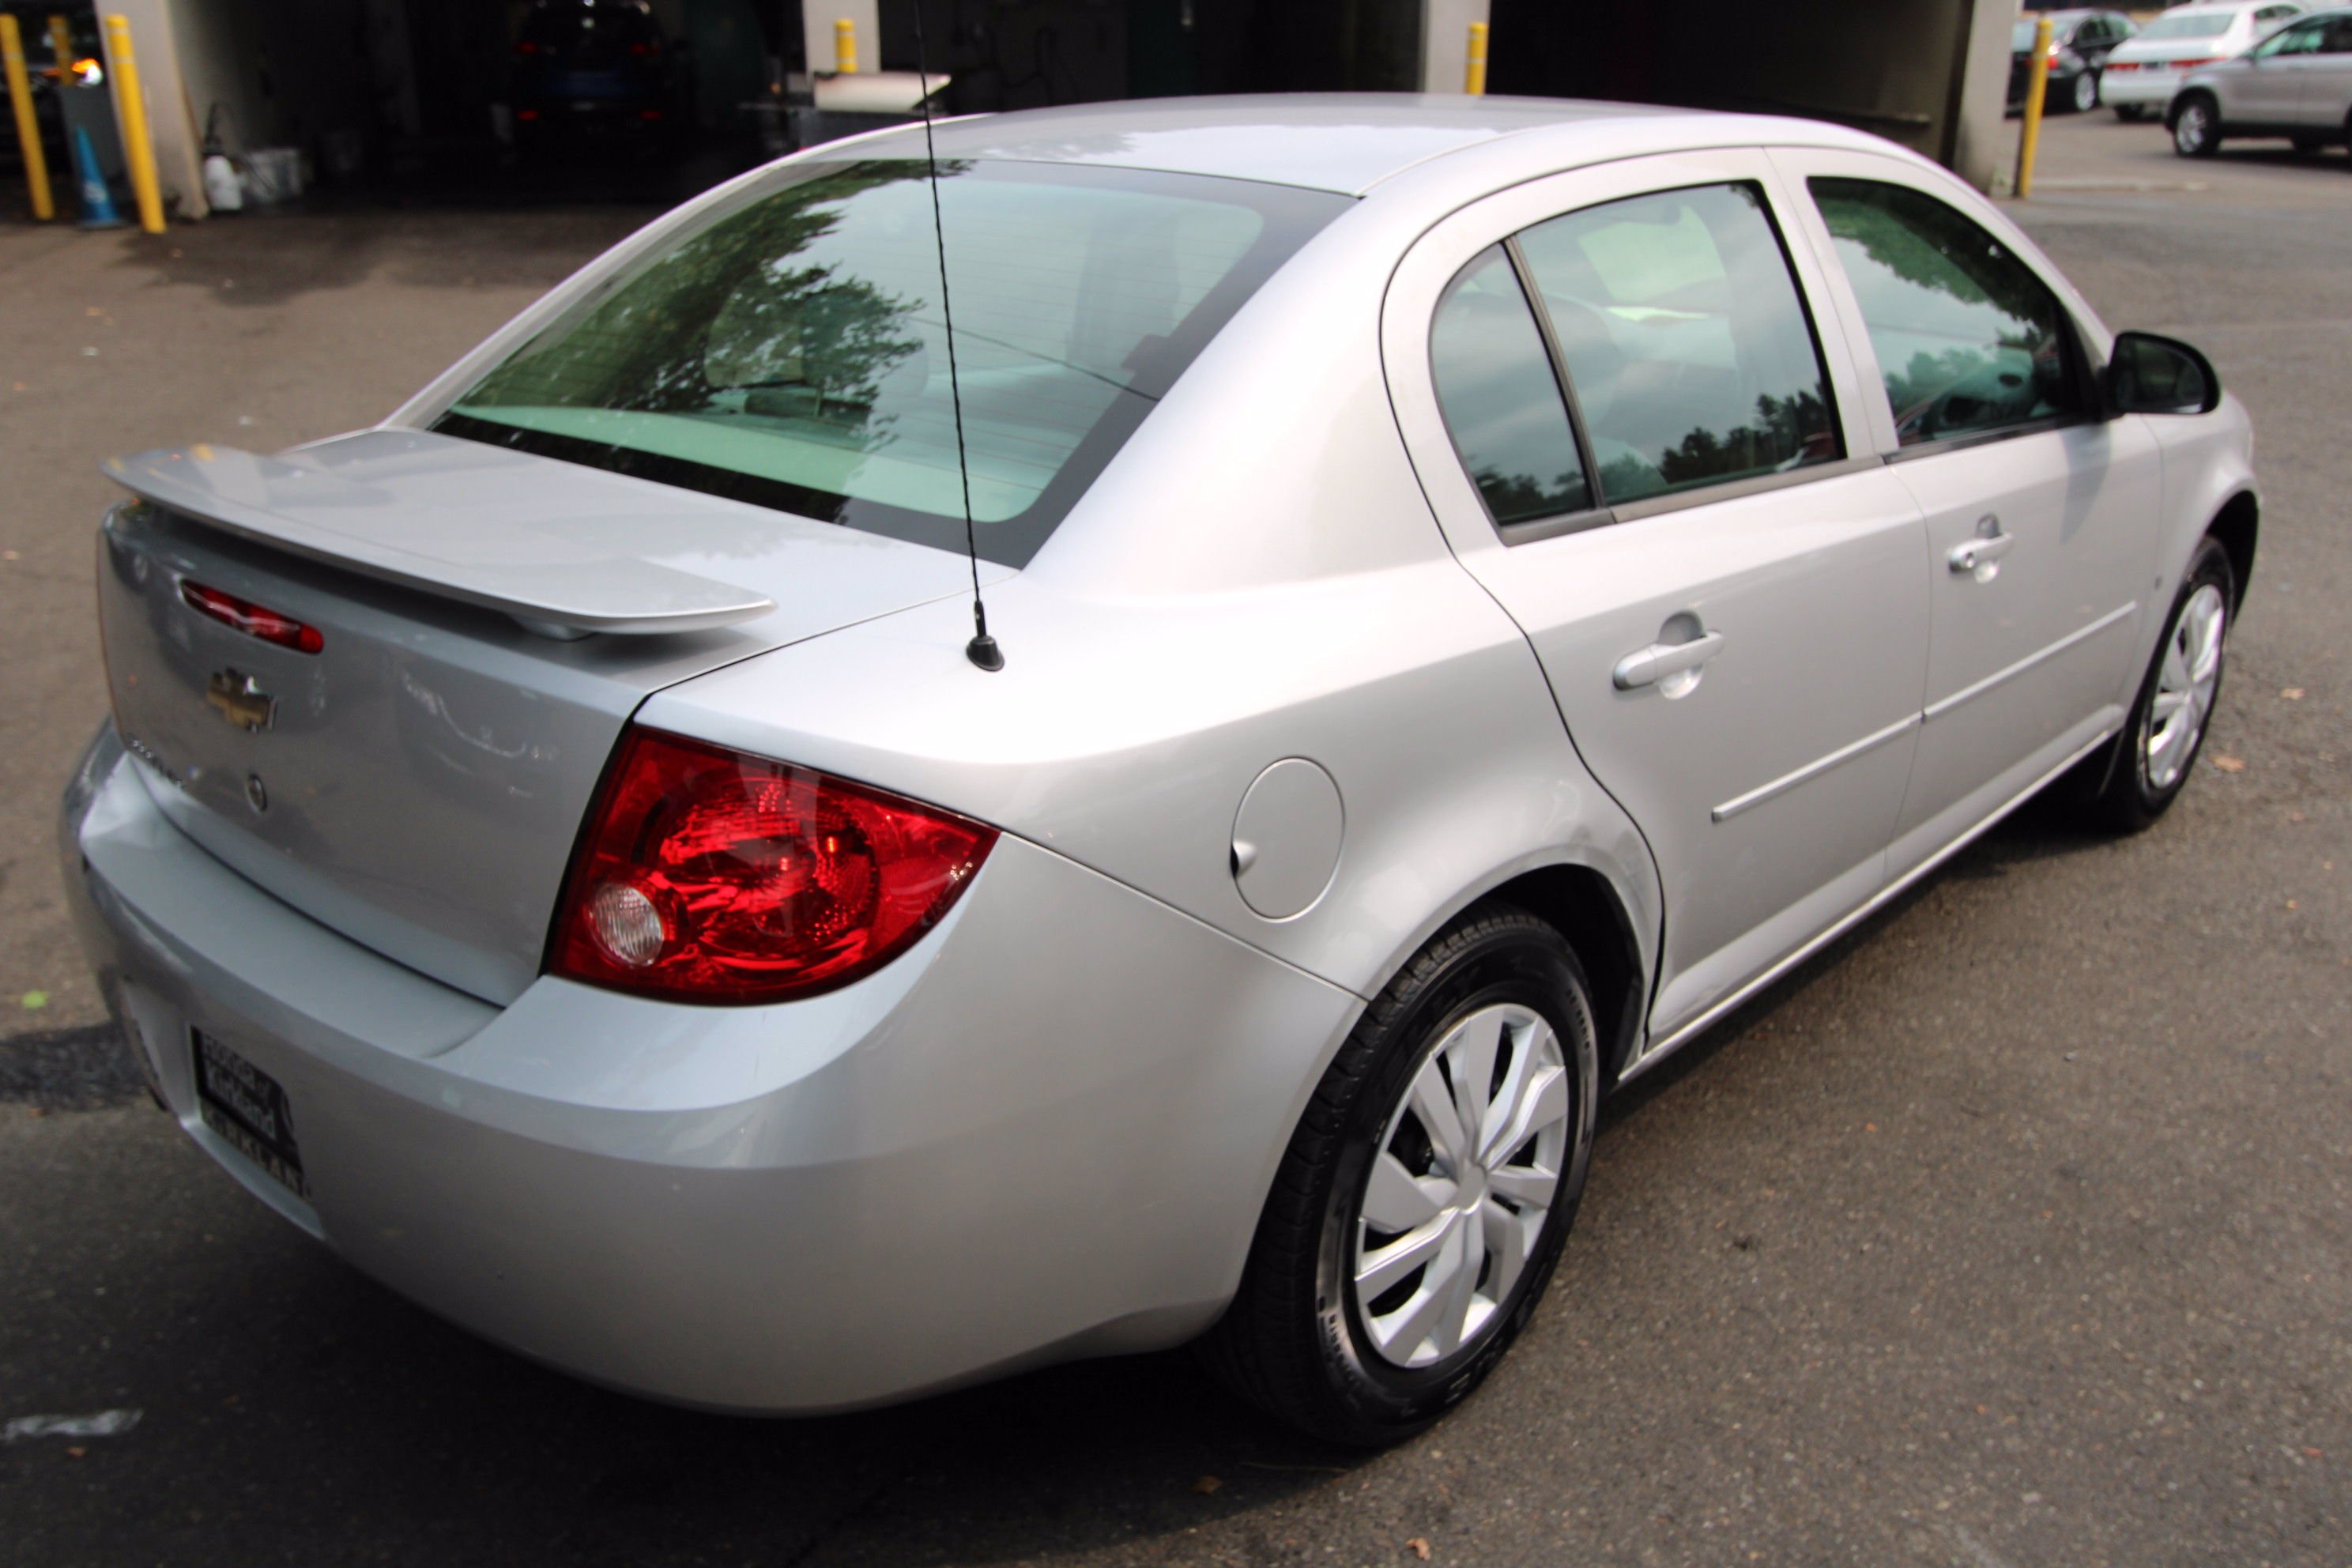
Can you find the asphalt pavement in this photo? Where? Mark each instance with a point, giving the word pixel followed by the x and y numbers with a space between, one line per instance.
pixel 2015 1230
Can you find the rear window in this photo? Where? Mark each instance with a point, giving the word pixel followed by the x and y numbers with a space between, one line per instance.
pixel 791 351
pixel 598 31
pixel 2189 25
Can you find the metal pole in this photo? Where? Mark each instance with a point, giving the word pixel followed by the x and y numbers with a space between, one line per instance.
pixel 845 47
pixel 28 129
pixel 1473 70
pixel 2037 84
pixel 130 113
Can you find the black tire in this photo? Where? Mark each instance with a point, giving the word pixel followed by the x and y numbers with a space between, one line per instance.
pixel 2202 135
pixel 2129 800
pixel 1292 1343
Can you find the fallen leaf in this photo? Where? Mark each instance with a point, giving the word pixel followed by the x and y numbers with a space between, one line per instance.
pixel 1206 1485
pixel 2290 903
pixel 2291 693
pixel 93 311
pixel 34 1001
pixel 77 1453
pixel 2227 763
pixel 7 555
pixel 37 1111
pixel 1418 1547
pixel 2310 1454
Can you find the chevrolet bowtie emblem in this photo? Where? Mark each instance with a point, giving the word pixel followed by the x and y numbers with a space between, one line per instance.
pixel 240 700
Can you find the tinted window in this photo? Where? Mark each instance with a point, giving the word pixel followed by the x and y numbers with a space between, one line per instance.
pixel 1689 350
pixel 2301 39
pixel 1968 338
pixel 790 350
pixel 1501 400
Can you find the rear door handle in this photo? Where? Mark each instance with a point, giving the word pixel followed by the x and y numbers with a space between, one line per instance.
pixel 1966 558
pixel 1648 666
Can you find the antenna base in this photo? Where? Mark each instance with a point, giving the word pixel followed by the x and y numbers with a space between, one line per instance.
pixel 982 651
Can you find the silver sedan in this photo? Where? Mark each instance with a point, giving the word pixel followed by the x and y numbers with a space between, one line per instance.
pixel 1473 589
pixel 2296 83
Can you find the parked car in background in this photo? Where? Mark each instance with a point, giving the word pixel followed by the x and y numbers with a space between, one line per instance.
pixel 1484 586
pixel 2143 73
pixel 2296 83
pixel 590 67
pixel 2080 42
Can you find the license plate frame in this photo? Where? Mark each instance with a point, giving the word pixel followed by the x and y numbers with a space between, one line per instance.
pixel 248 1109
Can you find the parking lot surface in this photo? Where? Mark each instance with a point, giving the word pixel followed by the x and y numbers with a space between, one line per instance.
pixel 2017 1230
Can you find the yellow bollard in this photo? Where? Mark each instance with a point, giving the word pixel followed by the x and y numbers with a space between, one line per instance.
pixel 845 47
pixel 2037 84
pixel 28 129
pixel 131 117
pixel 62 45
pixel 1473 71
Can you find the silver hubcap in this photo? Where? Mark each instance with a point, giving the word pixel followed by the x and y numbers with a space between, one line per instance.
pixel 2185 684
pixel 2189 130
pixel 1467 1175
pixel 2086 92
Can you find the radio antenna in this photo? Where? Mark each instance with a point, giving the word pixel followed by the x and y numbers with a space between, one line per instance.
pixel 983 650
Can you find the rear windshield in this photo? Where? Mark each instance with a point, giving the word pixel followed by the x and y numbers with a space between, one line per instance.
pixel 2191 25
pixel 599 28
pixel 790 350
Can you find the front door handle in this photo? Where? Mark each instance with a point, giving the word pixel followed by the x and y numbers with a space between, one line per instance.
pixel 1661 660
pixel 1966 559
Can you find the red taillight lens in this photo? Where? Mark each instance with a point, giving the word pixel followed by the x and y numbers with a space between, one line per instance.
pixel 251 618
pixel 706 875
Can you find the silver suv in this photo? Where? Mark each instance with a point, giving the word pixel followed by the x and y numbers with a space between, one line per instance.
pixel 2296 83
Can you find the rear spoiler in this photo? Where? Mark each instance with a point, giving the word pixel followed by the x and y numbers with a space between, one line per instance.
pixel 557 586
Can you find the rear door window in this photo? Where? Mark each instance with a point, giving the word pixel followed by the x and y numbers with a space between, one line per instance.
pixel 1969 340
pixel 1688 347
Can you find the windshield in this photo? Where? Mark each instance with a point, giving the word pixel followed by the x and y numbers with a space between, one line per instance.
pixel 790 350
pixel 2189 25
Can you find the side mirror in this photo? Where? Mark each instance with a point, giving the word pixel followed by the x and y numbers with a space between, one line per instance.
pixel 2149 374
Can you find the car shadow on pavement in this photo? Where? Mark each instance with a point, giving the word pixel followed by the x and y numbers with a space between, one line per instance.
pixel 289 1399
pixel 2045 828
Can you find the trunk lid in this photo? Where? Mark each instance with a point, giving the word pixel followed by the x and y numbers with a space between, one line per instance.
pixel 419 783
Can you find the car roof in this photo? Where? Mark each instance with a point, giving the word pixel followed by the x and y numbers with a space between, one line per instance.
pixel 1346 142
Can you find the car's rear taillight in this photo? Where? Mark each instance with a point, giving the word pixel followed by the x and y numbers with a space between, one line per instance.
pixel 251 618
pixel 709 875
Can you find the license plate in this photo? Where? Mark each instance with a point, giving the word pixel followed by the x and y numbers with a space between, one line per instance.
pixel 248 1109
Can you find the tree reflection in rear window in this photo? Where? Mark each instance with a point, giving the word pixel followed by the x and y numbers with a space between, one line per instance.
pixel 790 350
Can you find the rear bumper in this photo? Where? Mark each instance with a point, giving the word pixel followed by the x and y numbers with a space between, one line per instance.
pixel 1045 1132
pixel 2155 87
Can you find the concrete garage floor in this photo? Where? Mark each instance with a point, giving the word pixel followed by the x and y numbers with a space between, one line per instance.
pixel 2016 1230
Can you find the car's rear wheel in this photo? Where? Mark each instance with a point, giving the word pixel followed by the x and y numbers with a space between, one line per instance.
pixel 2159 744
pixel 1425 1195
pixel 2196 125
pixel 2086 92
